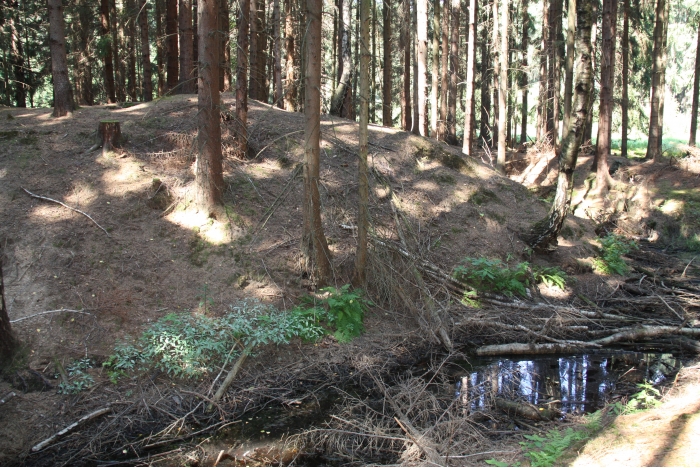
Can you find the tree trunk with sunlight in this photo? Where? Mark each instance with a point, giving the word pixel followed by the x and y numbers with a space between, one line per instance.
pixel 469 110
pixel 363 185
pixel 209 179
pixel 543 235
pixel 240 123
pixel 502 88
pixel 314 245
pixel 656 90
pixel 607 82
pixel 62 92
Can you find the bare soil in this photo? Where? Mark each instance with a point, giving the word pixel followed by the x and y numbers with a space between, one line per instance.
pixel 162 255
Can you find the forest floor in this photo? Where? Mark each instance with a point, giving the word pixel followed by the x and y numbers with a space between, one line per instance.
pixel 159 255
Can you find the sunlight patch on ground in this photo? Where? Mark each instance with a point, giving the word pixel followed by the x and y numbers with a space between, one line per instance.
pixel 82 195
pixel 126 178
pixel 212 230
pixel 671 207
pixel 3 173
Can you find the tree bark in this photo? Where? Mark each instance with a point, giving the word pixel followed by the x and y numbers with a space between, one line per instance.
pixel 117 28
pixel 588 130
pixel 17 59
pixel 339 101
pixel 469 117
pixel 224 32
pixel 624 102
pixel 108 63
pixel 363 184
pixel 209 180
pixel 405 40
pixel 145 53
pixel 656 90
pixel 502 88
pixel 62 91
pixel 110 134
pixel 277 53
pixel 484 126
pixel 187 80
pixel 171 43
pixel 444 66
pixel 554 81
pixel 160 48
pixel 421 64
pixel 434 91
pixel 544 234
pixel 495 47
pixel 373 76
pixel 387 117
pixel 569 73
pixel 524 80
pixel 290 81
pixel 662 82
pixel 314 245
pixel 607 83
pixel 696 90
pixel 542 95
pixel 130 26
pixel 240 124
pixel 84 88
pixel 451 136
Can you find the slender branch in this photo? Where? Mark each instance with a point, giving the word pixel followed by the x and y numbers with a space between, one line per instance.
pixel 45 443
pixel 51 312
pixel 69 207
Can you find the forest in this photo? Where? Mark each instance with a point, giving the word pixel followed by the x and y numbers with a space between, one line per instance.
pixel 336 232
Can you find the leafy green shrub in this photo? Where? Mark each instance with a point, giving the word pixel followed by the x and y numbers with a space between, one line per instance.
pixel 550 276
pixel 78 379
pixel 613 248
pixel 646 398
pixel 189 346
pixel 544 451
pixel 346 311
pixel 493 276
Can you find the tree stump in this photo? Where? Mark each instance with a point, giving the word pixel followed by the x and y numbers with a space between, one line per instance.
pixel 110 134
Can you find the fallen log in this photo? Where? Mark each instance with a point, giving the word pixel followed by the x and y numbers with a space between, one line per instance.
pixel 625 334
pixel 525 410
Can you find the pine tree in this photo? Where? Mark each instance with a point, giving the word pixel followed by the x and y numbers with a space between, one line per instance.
pixel 62 91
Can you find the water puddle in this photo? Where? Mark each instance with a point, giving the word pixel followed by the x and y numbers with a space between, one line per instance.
pixel 572 384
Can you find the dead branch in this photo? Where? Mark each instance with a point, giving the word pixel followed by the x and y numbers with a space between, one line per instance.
pixel 231 375
pixel 45 443
pixel 8 397
pixel 51 312
pixel 39 197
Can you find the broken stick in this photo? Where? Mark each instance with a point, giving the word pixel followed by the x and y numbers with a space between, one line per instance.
pixel 33 195
pixel 45 443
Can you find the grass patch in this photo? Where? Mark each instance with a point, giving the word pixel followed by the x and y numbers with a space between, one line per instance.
pixel 482 196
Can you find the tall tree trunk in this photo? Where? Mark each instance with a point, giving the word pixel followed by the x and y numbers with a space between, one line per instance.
pixel 373 77
pixel 340 101
pixel 62 91
pixel 8 341
pixel 108 64
pixel 171 43
pixel 240 127
pixel 554 77
pixel 130 26
pixel 662 81
pixel 624 102
pixel 290 81
pixel 363 185
pixel 277 53
pixel 485 117
pixel 117 28
pixel 588 129
pixel 86 95
pixel 542 104
pixel 255 26
pixel 209 179
pixel 387 118
pixel 696 90
pixel 405 40
pixel 434 91
pixel 224 34
pixel 502 88
pixel 569 73
pixel 145 53
pixel 607 83
pixel 187 80
pixel 314 245
pixel 17 59
pixel 160 47
pixel 524 80
pixel 469 117
pixel 351 98
pixel 656 90
pixel 421 64
pixel 451 136
pixel 544 234
pixel 495 47
pixel 444 67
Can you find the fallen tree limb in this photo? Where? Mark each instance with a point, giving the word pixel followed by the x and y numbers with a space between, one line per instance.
pixel 50 312
pixel 39 197
pixel 634 333
pixel 525 410
pixel 45 443
pixel 8 397
pixel 231 375
pixel 530 348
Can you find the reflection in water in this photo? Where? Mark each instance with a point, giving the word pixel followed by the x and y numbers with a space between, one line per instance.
pixel 574 384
